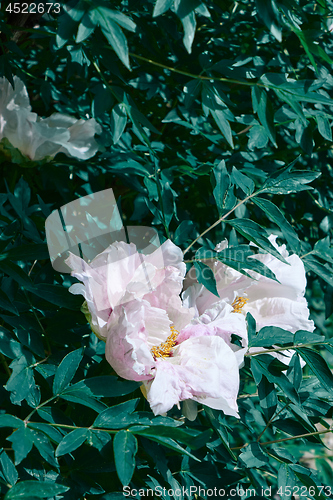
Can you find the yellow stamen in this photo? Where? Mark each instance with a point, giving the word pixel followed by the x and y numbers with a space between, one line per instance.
pixel 164 350
pixel 238 304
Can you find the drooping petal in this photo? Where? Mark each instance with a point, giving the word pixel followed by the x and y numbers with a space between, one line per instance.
pixel 201 367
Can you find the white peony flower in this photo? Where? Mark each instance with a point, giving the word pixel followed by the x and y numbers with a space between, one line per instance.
pixel 39 138
pixel 152 337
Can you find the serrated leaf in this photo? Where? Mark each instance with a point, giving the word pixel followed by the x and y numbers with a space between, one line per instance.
pixel 125 447
pixel 66 370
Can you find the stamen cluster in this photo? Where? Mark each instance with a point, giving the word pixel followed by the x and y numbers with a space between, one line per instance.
pixel 238 304
pixel 164 350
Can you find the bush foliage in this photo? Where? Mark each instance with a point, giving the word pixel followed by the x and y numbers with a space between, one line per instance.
pixel 213 113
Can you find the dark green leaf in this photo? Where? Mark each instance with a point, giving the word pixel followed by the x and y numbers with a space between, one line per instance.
pixel 205 276
pixel 72 441
pixel 275 215
pixel 318 366
pixel 125 447
pixel 35 489
pixel 118 416
pixel 66 370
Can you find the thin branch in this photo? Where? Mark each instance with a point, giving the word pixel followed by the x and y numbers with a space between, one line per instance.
pixel 221 219
pixel 197 77
pixel 299 436
pixel 276 349
pixel 273 417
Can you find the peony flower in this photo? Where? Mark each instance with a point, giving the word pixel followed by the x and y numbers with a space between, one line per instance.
pixel 39 138
pixel 272 303
pixel 151 336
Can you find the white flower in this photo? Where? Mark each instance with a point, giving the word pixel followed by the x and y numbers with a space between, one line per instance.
pixel 38 138
pixel 272 303
pixel 152 337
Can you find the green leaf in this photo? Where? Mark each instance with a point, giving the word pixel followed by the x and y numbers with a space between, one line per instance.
pixel 286 477
pixel 66 371
pixel 275 215
pixel 206 277
pixel 114 35
pixel 242 181
pixel 56 294
pixel 161 6
pixel 268 12
pixel 26 252
pixel 290 182
pixel 22 443
pixel 21 381
pixel 318 366
pixel 117 416
pixel 35 489
pixel 43 445
pixel 268 397
pixel 263 107
pixel 102 102
pixel 72 441
pixel 222 180
pixel 272 335
pixel 185 11
pixel 324 127
pixel 324 271
pixel 8 469
pixel 106 386
pixel 75 395
pixel 253 456
pixel 223 124
pixel 86 28
pixel 256 234
pixel 271 368
pixel 10 421
pixel 118 121
pixel 125 447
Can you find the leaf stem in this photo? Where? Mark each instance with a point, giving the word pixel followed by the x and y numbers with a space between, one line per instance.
pixel 221 219
pixel 273 417
pixel 196 77
pixel 276 349
pixel 299 436
pixel 26 420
